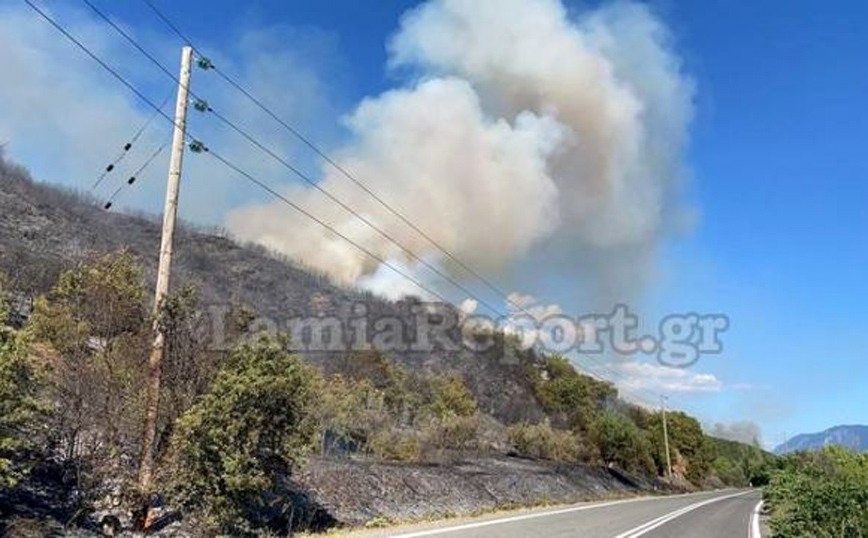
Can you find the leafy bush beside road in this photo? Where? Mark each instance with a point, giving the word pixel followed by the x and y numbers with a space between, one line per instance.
pixel 622 443
pixel 246 433
pixel 819 495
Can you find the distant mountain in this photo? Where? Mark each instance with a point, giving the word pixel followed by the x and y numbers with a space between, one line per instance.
pixel 852 437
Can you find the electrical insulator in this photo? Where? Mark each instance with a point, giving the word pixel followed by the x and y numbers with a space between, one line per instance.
pixel 197 147
pixel 204 63
pixel 108 206
pixel 131 180
pixel 201 105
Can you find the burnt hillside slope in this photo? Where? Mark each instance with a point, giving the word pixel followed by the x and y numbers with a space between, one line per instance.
pixel 44 229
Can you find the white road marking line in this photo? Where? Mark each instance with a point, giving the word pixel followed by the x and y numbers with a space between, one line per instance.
pixel 662 520
pixel 754 529
pixel 523 517
pixel 432 532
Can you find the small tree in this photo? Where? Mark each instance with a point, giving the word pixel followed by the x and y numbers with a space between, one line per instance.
pixel 687 440
pixel 18 406
pixel 188 366
pixel 543 441
pixel 352 412
pixel 621 442
pixel 451 397
pixel 567 393
pixel 95 320
pixel 451 413
pixel 247 432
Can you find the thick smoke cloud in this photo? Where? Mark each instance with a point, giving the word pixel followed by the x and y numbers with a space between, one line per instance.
pixel 520 127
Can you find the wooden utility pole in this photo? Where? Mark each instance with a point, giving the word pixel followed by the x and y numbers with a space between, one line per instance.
pixel 666 439
pixel 146 467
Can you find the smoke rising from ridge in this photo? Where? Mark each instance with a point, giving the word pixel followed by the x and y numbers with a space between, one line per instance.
pixel 520 126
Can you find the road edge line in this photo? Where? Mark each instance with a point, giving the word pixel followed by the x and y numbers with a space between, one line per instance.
pixel 754 530
pixel 523 517
pixel 649 526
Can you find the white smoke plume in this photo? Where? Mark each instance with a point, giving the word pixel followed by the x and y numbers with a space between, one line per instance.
pixel 521 127
pixel 744 432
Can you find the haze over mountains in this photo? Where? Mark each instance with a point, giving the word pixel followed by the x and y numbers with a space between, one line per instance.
pixel 854 437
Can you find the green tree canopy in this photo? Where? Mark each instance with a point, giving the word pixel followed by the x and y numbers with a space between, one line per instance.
pixel 575 396
pixel 250 429
pixel 621 442
pixel 19 407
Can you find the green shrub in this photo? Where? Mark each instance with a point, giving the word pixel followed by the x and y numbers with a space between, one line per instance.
pixel 451 397
pixel 352 411
pixel 729 472
pixel 687 440
pixel 19 407
pixel 246 433
pixel 453 432
pixel 102 298
pixel 96 323
pixel 823 494
pixel 576 397
pixel 396 445
pixel 449 418
pixel 621 442
pixel 739 464
pixel 543 441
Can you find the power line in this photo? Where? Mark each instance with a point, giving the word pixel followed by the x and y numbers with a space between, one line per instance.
pixel 128 145
pixel 132 42
pixel 325 225
pixel 132 179
pixel 353 212
pixel 171 26
pixel 347 174
pixel 97 59
pixel 264 186
pixel 283 162
pixel 225 161
pixel 300 136
pixel 343 171
pixel 228 163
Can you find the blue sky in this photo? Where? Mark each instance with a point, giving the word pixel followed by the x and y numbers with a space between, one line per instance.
pixel 776 164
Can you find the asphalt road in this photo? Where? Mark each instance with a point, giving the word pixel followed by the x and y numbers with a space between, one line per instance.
pixel 701 515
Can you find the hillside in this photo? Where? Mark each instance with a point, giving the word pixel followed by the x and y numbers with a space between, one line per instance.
pixel 386 430
pixel 44 230
pixel 854 437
